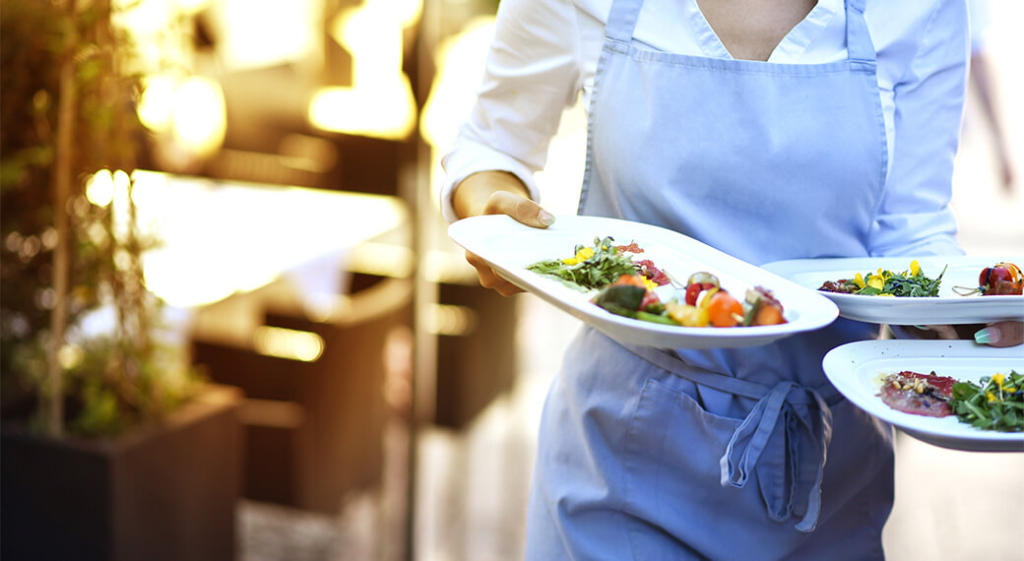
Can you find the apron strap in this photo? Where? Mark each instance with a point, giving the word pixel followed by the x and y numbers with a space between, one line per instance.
pixel 622 20
pixel 859 46
pixel 753 434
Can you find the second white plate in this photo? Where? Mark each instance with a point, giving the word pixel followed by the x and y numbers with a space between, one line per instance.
pixel 855 369
pixel 509 247
pixel 947 308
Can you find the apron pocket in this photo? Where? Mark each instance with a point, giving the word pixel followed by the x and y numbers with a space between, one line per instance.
pixel 673 488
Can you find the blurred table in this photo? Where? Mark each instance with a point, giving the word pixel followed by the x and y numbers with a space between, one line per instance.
pixel 220 238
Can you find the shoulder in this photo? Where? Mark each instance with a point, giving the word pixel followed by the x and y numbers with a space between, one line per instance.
pixel 900 23
pixel 929 34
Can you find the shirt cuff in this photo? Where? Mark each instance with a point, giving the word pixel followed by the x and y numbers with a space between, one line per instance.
pixel 468 158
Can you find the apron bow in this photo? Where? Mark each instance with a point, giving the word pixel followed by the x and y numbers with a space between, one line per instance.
pixel 809 424
pixel 751 437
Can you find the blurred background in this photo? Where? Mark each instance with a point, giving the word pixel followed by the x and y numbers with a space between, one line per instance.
pixel 327 380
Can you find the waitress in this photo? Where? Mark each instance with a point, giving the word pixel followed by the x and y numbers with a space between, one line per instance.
pixel 769 130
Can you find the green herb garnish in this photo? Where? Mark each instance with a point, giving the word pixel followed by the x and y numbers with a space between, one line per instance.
pixel 997 404
pixel 590 267
pixel 912 283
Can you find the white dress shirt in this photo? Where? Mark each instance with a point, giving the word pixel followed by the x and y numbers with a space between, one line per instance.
pixel 545 53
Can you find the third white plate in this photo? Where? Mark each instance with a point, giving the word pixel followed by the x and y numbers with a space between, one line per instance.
pixel 856 369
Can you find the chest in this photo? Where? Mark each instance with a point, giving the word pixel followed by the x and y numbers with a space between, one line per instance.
pixel 751 29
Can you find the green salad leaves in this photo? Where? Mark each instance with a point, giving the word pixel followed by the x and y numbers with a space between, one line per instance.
pixel 997 404
pixel 591 267
pixel 910 283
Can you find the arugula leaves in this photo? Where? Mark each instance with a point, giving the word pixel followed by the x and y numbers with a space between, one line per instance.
pixel 605 266
pixel 903 284
pixel 997 404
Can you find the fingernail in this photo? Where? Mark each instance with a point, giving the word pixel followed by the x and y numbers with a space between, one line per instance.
pixel 545 218
pixel 989 335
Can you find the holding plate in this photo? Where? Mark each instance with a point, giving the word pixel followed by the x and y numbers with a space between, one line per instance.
pixel 510 248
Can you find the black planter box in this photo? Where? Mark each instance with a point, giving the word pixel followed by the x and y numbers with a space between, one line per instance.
pixel 162 492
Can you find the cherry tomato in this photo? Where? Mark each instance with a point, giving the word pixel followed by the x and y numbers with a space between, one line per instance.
pixel 693 291
pixel 723 310
pixel 1003 278
pixel 998 274
pixel 983 277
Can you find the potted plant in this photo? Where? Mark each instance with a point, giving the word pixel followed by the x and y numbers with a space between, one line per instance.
pixel 111 448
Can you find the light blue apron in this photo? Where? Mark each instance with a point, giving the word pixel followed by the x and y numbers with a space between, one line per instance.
pixel 721 454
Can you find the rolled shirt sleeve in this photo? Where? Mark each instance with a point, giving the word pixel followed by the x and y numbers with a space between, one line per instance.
pixel 914 215
pixel 531 74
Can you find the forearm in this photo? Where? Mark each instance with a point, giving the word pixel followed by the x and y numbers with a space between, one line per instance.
pixel 471 196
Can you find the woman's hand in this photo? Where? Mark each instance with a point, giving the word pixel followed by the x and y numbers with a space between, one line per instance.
pixel 497 192
pixel 1000 334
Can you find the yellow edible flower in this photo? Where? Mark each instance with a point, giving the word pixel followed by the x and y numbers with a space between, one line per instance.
pixel 991 397
pixel 999 379
pixel 686 315
pixel 649 284
pixel 859 280
pixel 876 282
pixel 581 256
pixel 915 267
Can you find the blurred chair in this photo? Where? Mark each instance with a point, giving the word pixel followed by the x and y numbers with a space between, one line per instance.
pixel 314 430
pixel 476 362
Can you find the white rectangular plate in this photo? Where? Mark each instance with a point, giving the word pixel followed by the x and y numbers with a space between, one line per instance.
pixel 945 309
pixel 509 247
pixel 855 369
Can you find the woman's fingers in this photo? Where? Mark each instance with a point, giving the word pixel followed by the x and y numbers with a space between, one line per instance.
pixel 941 331
pixel 490 279
pixel 1002 334
pixel 519 208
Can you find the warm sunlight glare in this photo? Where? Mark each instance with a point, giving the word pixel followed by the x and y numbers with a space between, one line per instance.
pixel 380 102
pixel 191 6
pixel 192 108
pixel 99 188
pixel 289 344
pixel 460 62
pixel 261 33
pixel 200 116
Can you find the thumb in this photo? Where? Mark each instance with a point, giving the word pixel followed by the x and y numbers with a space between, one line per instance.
pixel 519 208
pixel 1002 334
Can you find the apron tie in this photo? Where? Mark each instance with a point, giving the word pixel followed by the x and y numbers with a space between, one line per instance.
pixel 754 432
pixel 749 440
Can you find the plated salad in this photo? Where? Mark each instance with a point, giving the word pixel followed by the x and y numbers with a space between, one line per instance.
pixel 1003 278
pixel 997 403
pixel 627 285
pixel 910 283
